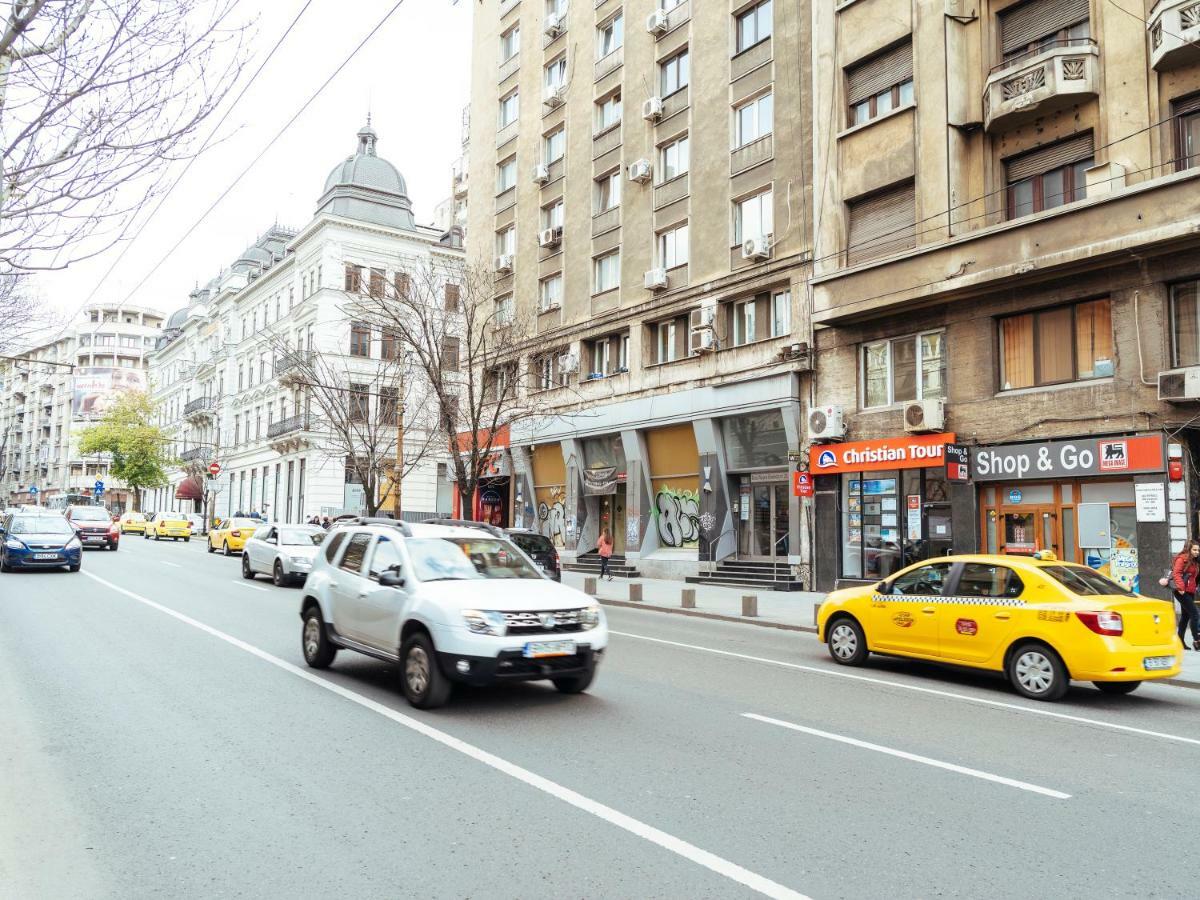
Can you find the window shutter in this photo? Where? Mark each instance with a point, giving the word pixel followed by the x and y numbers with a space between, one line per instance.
pixel 1044 159
pixel 879 73
pixel 762 317
pixel 1186 105
pixel 1032 21
pixel 882 224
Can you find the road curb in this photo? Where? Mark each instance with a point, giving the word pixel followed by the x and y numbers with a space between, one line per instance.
pixel 698 614
pixel 1179 682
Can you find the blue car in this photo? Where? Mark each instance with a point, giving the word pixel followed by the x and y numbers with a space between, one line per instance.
pixel 38 541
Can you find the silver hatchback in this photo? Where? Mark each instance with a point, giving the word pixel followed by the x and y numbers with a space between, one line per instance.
pixel 285 552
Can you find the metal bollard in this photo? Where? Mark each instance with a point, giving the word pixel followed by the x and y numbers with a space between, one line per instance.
pixel 689 598
pixel 750 605
pixel 589 586
pixel 635 592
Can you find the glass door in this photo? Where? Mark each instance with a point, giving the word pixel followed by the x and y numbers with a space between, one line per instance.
pixel 763 530
pixel 1024 533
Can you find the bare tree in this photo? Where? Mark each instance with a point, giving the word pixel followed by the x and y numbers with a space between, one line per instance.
pixel 97 99
pixel 23 316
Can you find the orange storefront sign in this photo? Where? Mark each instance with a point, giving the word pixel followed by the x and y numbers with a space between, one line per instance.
pixel 914 451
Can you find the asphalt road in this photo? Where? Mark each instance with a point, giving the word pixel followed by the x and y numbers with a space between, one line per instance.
pixel 161 737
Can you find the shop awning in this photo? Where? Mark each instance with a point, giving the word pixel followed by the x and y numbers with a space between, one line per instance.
pixel 190 489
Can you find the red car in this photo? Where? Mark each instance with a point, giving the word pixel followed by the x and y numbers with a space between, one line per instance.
pixel 95 526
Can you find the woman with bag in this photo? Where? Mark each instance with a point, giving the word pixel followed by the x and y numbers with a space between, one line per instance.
pixel 1184 574
pixel 605 546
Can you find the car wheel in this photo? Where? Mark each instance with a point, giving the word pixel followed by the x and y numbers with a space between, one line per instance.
pixel 4 567
pixel 74 568
pixel 247 572
pixel 847 643
pixel 211 548
pixel 225 548
pixel 1037 672
pixel 425 686
pixel 113 546
pixel 1117 687
pixel 277 575
pixel 575 684
pixel 187 540
pixel 318 652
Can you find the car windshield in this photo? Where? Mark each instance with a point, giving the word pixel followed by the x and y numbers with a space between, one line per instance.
pixel 40 525
pixel 244 523
pixel 135 517
pixel 300 537
pixel 90 514
pixel 1085 582
pixel 466 559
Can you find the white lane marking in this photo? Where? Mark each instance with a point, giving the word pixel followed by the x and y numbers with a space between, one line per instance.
pixel 253 587
pixel 172 565
pixel 913 757
pixel 680 847
pixel 951 695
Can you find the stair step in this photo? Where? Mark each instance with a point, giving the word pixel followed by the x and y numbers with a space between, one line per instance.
pixel 742 582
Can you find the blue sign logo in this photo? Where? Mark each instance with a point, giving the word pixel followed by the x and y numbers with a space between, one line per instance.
pixel 1014 496
pixel 826 459
pixel 33 489
pixel 99 485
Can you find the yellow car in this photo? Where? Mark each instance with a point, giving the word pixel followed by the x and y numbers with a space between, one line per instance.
pixel 1041 622
pixel 133 521
pixel 169 525
pixel 230 535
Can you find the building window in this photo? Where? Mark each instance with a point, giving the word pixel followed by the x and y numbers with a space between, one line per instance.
pixel 880 84
pixel 510 43
pixel 353 285
pixel 554 145
pixel 754 217
pixel 557 7
pixel 610 36
pixel 882 223
pixel 673 247
pixel 1054 346
pixel 360 403
pixel 509 108
pixel 753 25
pixel 1041 25
pixel 401 284
pixel 608 112
pixel 449 354
pixel 548 372
pixel 506 241
pixel 550 292
pixel 608 191
pixel 451 296
pixel 752 120
pixel 781 313
pixel 555 73
pixel 673 73
pixel 1187 131
pixel 606 272
pixel 670 339
pixel 1185 324
pixel 360 339
pixel 376 288
pixel 504 310
pixel 673 159
pixel 609 355
pixel 745 322
pixel 903 369
pixel 552 215
pixel 506 174
pixel 1048 177
pixel 389 345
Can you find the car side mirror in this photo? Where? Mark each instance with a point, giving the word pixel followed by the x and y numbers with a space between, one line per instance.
pixel 882 587
pixel 391 578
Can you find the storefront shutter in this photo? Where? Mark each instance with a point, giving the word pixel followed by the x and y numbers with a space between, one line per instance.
pixel 882 224
pixel 879 73
pixel 1029 22
pixel 1044 159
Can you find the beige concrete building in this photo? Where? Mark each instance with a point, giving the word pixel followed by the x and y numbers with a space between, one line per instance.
pixel 640 185
pixel 1006 254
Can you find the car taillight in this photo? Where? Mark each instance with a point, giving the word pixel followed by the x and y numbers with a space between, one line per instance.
pixel 113 529
pixel 236 533
pixel 1102 622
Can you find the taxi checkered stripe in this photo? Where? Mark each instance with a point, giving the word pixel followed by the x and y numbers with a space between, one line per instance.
pixel 957 601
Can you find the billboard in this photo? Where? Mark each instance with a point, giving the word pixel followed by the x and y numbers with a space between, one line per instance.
pixel 97 389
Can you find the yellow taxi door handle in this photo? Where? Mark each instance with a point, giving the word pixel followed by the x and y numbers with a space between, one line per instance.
pixel 1003 616
pixel 929 610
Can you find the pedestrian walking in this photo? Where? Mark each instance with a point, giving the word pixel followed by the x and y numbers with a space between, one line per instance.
pixel 605 546
pixel 1184 575
pixel 326 524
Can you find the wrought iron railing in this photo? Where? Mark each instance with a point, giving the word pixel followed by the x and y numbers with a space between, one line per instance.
pixel 193 454
pixel 287 426
pixel 200 404
pixel 293 359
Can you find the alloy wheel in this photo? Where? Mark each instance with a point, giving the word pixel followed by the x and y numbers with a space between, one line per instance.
pixel 312 637
pixel 416 670
pixel 843 640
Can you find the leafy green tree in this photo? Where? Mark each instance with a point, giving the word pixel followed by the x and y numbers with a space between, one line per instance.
pixel 138 447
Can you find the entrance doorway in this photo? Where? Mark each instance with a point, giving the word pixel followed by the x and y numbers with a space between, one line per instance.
pixel 1023 532
pixel 763 521
pixel 612 517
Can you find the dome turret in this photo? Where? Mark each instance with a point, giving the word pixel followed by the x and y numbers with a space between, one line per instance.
pixel 367 187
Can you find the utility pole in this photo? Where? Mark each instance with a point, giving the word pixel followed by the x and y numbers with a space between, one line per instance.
pixel 397 473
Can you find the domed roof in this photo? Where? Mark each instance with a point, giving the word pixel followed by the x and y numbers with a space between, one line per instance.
pixel 365 169
pixel 178 318
pixel 366 187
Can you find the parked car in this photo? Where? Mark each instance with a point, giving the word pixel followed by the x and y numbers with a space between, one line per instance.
pixel 231 535
pixel 169 525
pixel 132 522
pixel 95 526
pixel 447 605
pixel 39 541
pixel 196 521
pixel 536 546
pixel 285 552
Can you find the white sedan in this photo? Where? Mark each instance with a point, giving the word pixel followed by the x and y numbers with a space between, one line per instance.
pixel 285 552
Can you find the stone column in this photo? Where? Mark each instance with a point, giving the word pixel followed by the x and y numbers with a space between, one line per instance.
pixel 640 537
pixel 718 537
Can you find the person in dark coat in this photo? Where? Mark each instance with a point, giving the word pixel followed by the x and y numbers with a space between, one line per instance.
pixel 1185 573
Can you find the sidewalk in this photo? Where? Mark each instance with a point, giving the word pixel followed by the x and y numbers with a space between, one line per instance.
pixel 792 611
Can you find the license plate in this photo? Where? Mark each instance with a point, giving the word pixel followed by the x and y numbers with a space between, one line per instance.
pixel 539 649
pixel 45 556
pixel 95 539
pixel 1158 662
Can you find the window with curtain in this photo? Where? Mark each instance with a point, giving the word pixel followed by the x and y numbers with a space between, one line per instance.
pixel 902 369
pixel 1186 112
pixel 1055 346
pixel 1049 177
pixel 1185 324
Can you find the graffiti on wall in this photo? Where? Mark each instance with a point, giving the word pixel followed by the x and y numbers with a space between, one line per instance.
pixel 678 515
pixel 552 518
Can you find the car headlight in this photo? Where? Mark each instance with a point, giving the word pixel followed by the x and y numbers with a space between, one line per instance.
pixel 485 622
pixel 13 544
pixel 74 543
pixel 302 560
pixel 589 617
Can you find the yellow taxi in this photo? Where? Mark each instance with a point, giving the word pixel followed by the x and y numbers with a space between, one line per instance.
pixel 1040 621
pixel 168 525
pixel 230 535
pixel 132 521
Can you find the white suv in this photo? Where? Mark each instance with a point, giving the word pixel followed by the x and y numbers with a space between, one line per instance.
pixel 447 605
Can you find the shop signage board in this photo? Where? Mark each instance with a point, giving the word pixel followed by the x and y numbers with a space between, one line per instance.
pixel 911 451
pixel 1151 503
pixel 914 517
pixel 1069 459
pixel 958 463
pixel 802 485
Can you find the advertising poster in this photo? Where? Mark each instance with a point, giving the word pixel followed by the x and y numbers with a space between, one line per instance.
pixel 96 390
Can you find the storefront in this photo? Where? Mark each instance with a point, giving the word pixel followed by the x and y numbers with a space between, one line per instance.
pixel 605 479
pixel 756 450
pixel 674 485
pixel 550 492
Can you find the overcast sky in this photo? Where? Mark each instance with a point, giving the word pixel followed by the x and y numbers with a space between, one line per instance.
pixel 414 75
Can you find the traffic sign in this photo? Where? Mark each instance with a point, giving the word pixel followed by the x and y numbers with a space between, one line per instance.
pixel 214 469
pixel 99 485
pixel 33 489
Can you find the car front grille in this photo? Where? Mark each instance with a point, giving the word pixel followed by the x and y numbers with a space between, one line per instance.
pixel 560 621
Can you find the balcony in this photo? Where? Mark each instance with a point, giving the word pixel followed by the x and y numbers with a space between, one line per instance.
pixel 1174 27
pixel 1034 84
pixel 195 454
pixel 200 408
pixel 292 365
pixel 287 426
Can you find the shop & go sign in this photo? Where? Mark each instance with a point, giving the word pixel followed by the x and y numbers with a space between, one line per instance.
pixel 907 452
pixel 1065 459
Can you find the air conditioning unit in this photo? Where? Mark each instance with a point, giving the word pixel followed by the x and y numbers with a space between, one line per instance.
pixel 550 237
pixel 925 415
pixel 553 25
pixel 756 248
pixel 701 340
pixel 652 109
pixel 1180 385
pixel 656 22
pixel 826 423
pixel 541 173
pixel 656 279
pixel 706 316
pixel 554 95
pixel 504 264
pixel 640 171
pixel 568 363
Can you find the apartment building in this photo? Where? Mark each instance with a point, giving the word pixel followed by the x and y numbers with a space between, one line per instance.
pixel 1005 258
pixel 227 372
pixel 649 169
pixel 56 389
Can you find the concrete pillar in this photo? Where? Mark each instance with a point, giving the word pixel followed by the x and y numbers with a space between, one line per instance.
pixel 750 605
pixel 589 586
pixel 688 598
pixel 581 528
pixel 717 526
pixel 635 592
pixel 640 538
